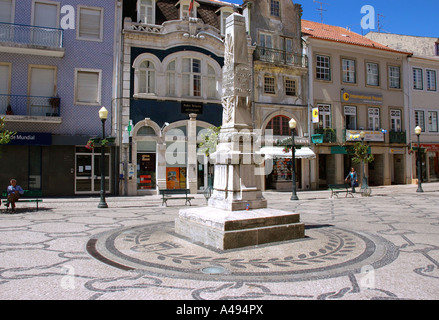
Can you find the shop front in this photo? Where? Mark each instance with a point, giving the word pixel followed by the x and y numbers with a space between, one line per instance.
pixel 429 162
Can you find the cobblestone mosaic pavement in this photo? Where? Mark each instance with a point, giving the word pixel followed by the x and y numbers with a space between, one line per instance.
pixel 381 247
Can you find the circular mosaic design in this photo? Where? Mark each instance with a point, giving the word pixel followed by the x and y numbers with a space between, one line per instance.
pixel 326 252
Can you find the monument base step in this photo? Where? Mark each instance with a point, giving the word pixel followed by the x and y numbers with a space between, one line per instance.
pixel 224 229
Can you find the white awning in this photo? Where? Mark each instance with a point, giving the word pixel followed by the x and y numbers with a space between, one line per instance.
pixel 278 152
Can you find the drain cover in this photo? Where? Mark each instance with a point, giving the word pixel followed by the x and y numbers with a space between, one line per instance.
pixel 213 270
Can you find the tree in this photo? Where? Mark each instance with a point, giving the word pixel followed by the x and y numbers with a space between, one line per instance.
pixel 210 141
pixel 360 152
pixel 5 135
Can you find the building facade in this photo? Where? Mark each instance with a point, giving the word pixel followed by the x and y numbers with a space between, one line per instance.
pixel 56 71
pixel 423 97
pixel 280 86
pixel 171 91
pixel 356 85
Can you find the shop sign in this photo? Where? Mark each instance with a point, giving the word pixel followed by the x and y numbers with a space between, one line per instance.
pixel 191 107
pixel 31 139
pixel 348 96
pixel 354 135
pixel 397 150
pixel 431 147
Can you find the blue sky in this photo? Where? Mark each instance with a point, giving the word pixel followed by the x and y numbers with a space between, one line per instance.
pixel 416 18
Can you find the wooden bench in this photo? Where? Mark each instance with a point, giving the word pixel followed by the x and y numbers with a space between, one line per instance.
pixel 27 196
pixel 168 194
pixel 340 188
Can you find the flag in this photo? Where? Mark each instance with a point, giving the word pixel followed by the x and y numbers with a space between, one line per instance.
pixel 191 6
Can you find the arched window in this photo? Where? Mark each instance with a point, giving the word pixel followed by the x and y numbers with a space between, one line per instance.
pixel 191 77
pixel 146 77
pixel 280 126
pixel 170 78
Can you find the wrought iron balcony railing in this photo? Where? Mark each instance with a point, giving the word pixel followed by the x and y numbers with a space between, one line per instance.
pixel 397 137
pixel 34 36
pixel 21 105
pixel 280 57
pixel 328 134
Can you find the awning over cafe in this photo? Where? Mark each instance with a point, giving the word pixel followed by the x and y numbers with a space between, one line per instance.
pixel 278 152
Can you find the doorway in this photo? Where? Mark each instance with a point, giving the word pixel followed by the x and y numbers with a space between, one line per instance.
pixel 88 170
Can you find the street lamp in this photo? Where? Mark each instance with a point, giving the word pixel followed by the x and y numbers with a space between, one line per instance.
pixel 364 185
pixel 103 114
pixel 418 131
pixel 292 123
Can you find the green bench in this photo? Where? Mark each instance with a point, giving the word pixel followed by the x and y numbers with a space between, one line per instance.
pixel 27 196
pixel 340 188
pixel 169 194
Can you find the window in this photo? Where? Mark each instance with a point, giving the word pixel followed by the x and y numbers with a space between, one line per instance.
pixel 42 86
pixel 269 85
pixel 323 68
pixel 7 11
pixel 324 116
pixel 185 5
pixel 350 116
pixel 5 78
pixel 275 8
pixel 374 119
pixel 432 121
pixel 417 79
pixel 170 78
pixel 90 22
pixel 45 14
pixel 372 74
pixel 431 80
pixel 146 11
pixel 437 48
pixel 146 77
pixel 191 77
pixel 211 82
pixel 225 12
pixel 88 87
pixel 394 77
pixel 419 119
pixel 280 126
pixel 290 87
pixel 287 47
pixel 395 120
pixel 348 66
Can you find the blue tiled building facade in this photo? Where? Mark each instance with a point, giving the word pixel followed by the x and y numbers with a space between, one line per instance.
pixel 57 69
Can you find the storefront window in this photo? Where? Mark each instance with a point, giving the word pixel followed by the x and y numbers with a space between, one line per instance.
pixel 146 165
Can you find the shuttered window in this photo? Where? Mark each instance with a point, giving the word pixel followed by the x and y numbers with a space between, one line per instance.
pixel 6 11
pixel 45 15
pixel 88 87
pixel 90 23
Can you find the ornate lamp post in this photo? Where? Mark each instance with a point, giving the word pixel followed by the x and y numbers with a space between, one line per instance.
pixel 418 131
pixel 292 123
pixel 103 114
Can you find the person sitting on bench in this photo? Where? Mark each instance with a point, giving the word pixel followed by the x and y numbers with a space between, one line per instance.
pixel 14 193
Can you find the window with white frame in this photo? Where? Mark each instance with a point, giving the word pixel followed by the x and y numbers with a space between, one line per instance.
pixel 395 120
pixel 290 87
pixel 146 11
pixel 191 72
pixel 146 77
pixel 7 11
pixel 275 8
pixel 88 86
pixel 269 85
pixel 372 74
pixel 432 121
pixel 419 119
pixel 348 70
pixel 374 119
pixel 431 80
pixel 186 10
pixel 324 116
pixel 417 79
pixel 171 79
pixel 394 77
pixel 224 13
pixel 211 82
pixel 90 23
pixel 323 68
pixel 350 116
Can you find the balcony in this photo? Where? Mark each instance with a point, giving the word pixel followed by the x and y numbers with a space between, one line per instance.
pixel 397 137
pixel 328 135
pixel 30 108
pixel 280 57
pixel 24 39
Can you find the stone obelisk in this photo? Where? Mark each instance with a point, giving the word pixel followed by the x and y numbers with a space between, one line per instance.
pixel 237 214
pixel 237 183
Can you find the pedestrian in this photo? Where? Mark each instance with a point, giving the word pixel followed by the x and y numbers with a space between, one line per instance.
pixel 352 175
pixel 14 193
